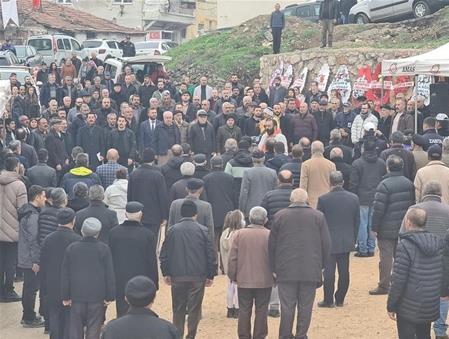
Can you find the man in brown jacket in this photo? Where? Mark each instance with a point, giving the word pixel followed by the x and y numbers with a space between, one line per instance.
pixel 298 245
pixel 13 195
pixel 315 174
pixel 248 266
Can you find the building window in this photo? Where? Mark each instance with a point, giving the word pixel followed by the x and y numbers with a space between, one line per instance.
pixel 64 1
pixel 122 2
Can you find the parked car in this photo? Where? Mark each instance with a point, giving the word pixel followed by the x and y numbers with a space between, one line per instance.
pixel 56 47
pixel 387 10
pixel 153 47
pixel 28 56
pixel 104 48
pixel 309 11
pixel 141 65
pixel 8 58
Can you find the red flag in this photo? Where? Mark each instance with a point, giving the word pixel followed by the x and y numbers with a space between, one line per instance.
pixel 36 4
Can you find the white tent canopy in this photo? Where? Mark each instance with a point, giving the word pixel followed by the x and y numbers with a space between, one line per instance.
pixel 435 62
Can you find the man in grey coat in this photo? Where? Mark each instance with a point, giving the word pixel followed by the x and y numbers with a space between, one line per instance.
pixel 205 216
pixel 256 181
pixel 277 24
pixel 42 174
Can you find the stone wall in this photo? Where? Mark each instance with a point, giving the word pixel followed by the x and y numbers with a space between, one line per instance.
pixel 313 59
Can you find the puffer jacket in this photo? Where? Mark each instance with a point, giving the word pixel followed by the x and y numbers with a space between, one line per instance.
pixel 29 250
pixel 116 198
pixel 275 200
pixel 302 126
pixel 394 195
pixel 13 195
pixel 366 174
pixel 224 133
pixel 417 275
pixel 78 174
pixel 48 222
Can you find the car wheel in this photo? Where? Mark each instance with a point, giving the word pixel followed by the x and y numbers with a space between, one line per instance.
pixel 361 19
pixel 420 9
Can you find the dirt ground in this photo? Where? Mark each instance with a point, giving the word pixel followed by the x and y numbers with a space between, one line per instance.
pixel 362 317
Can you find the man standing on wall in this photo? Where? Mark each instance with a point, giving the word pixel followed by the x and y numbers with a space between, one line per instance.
pixel 328 18
pixel 277 23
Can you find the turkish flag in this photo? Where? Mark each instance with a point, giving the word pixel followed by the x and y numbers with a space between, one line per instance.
pixel 36 4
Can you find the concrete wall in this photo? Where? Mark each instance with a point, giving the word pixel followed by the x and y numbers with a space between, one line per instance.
pixel 233 12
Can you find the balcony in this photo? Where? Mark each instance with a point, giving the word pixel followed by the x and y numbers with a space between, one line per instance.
pixel 173 15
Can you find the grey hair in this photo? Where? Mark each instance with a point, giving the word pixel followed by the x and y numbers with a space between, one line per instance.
pixel 14 145
pixel 187 169
pixel 82 159
pixel 336 152
pixel 432 188
pixel 336 178
pixel 445 145
pixel 335 134
pixel 258 215
pixel 80 190
pixel 231 145
pixel 58 197
pixel 317 147
pixel 96 193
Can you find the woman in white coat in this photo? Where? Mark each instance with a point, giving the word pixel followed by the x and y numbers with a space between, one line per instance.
pixel 115 195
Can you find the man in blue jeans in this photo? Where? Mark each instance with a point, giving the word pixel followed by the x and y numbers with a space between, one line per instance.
pixel 367 172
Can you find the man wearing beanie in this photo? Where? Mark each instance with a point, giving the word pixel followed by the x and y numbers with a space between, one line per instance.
pixel 141 321
pixel 52 254
pixel 87 281
pixel 435 169
pixel 188 264
pixel 205 217
pixel 133 253
pixel 146 185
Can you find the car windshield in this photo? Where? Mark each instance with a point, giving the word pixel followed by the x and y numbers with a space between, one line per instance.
pixel 40 44
pixel 146 44
pixel 92 43
pixel 20 51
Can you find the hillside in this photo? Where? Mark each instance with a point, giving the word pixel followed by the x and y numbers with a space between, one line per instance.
pixel 238 50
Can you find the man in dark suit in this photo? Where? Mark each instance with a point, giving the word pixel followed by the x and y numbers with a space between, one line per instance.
pixel 343 228
pixel 147 128
pixel 52 254
pixel 336 155
pixel 91 139
pixel 133 253
pixel 97 209
pixel 27 150
pixel 42 174
pixel 55 144
pixel 146 185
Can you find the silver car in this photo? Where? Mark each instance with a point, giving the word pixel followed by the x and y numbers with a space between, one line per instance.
pixel 385 10
pixel 28 56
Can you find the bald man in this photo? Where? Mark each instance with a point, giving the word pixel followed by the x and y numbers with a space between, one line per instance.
pixel 315 174
pixel 299 245
pixel 107 172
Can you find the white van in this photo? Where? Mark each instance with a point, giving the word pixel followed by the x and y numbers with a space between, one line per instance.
pixel 56 47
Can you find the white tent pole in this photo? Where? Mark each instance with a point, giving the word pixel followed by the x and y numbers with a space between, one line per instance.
pixel 416 103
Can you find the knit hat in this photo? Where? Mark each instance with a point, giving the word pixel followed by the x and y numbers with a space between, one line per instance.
pixel 140 291
pixel 91 227
pixel 188 209
pixel 199 159
pixel 230 116
pixel 194 184
pixel 65 216
pixel 134 207
pixel 434 151
pixel 148 155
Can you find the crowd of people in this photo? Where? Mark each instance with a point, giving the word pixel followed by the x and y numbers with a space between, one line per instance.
pixel 106 185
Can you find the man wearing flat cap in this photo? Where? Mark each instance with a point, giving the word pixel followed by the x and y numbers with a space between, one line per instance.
pixel 87 281
pixel 141 321
pixel 133 249
pixel 188 264
pixel 205 217
pixel 52 254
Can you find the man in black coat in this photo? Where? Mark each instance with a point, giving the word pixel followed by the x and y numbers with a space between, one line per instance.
pixel 146 185
pixel 124 141
pixel 141 321
pixel 219 193
pixel 171 170
pixel 336 141
pixel 27 150
pixel 188 264
pixel 54 143
pixel 42 174
pixel 87 281
pixel 394 195
pixel 343 228
pixel 414 296
pixel 52 254
pixel 133 253
pixel 97 209
pixel 336 156
pixel 201 136
pixel 48 217
pixel 91 139
pixel 397 148
pixel 294 164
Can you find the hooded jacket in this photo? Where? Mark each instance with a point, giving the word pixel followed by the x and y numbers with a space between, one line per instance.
pixel 367 172
pixel 29 250
pixel 417 275
pixel 115 197
pixel 78 174
pixel 224 133
pixel 13 195
pixel 171 170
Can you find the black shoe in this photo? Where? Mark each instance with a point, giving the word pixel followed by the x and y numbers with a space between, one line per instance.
pixel 361 255
pixel 370 254
pixel 378 291
pixel 235 314
pixel 38 322
pixel 230 313
pixel 11 297
pixel 324 304
pixel 274 313
pixel 339 303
